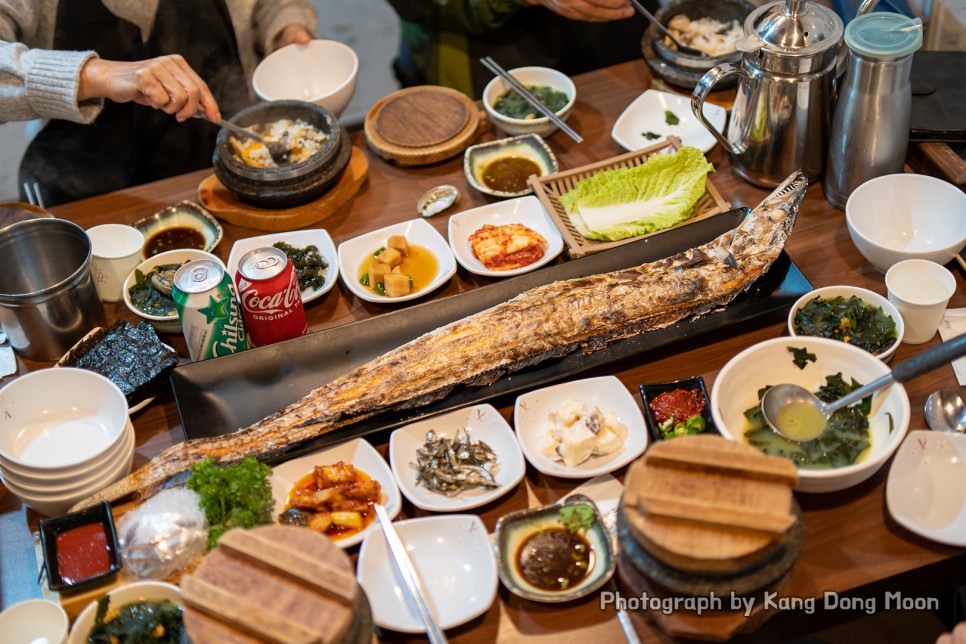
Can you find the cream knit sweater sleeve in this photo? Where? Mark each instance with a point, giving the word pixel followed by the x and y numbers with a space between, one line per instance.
pixel 38 82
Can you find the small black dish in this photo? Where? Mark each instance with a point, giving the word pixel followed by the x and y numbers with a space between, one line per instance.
pixel 650 390
pixel 53 527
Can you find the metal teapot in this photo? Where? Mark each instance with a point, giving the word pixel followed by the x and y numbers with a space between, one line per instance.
pixel 782 112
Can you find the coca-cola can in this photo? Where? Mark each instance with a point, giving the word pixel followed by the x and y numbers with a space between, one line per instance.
pixel 271 302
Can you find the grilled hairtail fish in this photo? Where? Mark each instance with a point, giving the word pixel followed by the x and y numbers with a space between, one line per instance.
pixel 545 322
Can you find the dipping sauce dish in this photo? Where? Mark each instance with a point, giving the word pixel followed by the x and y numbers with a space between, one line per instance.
pixel 80 548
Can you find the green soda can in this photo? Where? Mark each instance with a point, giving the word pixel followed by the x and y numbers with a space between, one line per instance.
pixel 208 309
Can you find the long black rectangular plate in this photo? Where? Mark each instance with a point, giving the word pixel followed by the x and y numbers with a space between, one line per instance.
pixel 218 396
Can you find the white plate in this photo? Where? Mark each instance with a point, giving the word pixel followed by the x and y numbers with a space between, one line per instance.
pixel 522 210
pixel 131 410
pixel 926 489
pixel 358 453
pixel 354 252
pixel 300 239
pixel 609 394
pixel 483 423
pixel 454 560
pixel 646 114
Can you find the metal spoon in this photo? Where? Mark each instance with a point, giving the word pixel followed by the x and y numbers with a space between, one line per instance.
pixel 278 149
pixel 810 414
pixel 684 49
pixel 945 412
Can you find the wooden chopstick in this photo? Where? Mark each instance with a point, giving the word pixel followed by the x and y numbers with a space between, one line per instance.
pixel 492 65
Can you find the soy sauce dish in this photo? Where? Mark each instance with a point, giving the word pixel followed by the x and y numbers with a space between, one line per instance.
pixel 556 553
pixel 501 168
pixel 80 549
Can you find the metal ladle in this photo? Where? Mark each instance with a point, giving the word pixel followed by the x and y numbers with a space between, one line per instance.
pixel 279 150
pixel 945 412
pixel 684 49
pixel 814 414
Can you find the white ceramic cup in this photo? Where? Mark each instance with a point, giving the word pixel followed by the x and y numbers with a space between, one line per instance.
pixel 920 289
pixel 116 250
pixel 34 620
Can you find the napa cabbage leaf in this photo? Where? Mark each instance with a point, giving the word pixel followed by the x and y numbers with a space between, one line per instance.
pixel 627 202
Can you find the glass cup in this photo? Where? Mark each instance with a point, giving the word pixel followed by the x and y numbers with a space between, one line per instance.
pixel 115 251
pixel 920 289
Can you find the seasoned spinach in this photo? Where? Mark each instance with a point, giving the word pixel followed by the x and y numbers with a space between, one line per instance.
pixel 511 104
pixel 143 622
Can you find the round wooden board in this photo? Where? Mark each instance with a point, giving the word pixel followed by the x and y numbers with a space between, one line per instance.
pixel 222 203
pixel 436 123
pixel 422 118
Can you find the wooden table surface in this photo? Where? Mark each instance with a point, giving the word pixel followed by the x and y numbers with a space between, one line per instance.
pixel 851 546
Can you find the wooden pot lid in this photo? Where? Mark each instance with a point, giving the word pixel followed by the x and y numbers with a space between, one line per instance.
pixel 271 584
pixel 708 504
pixel 423 125
pixel 222 202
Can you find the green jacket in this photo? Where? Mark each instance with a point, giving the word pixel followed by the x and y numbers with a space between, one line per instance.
pixel 443 40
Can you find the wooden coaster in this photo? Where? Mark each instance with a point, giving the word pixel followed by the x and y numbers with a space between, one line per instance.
pixel 222 203
pixel 420 119
pixel 422 125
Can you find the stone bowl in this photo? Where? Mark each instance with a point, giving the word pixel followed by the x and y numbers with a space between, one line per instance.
pixel 287 185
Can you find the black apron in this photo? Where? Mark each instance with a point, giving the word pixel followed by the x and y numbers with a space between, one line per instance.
pixel 129 144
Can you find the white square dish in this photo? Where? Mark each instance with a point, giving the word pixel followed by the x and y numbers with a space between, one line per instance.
pixel 354 252
pixel 318 237
pixel 609 394
pixel 481 423
pixel 454 561
pixel 648 114
pixel 522 210
pixel 358 453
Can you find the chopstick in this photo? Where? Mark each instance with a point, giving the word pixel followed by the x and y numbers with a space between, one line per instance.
pixel 492 65
pixel 34 198
pixel 405 565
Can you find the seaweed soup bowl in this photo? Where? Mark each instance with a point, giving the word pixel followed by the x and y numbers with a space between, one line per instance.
pixel 287 185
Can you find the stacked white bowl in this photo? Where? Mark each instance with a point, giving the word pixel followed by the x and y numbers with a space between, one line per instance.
pixel 64 435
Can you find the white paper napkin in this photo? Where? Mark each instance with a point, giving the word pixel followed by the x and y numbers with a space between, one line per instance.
pixel 953 324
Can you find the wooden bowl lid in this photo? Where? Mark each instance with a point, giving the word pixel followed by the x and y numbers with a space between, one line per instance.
pixel 422 125
pixel 271 583
pixel 704 503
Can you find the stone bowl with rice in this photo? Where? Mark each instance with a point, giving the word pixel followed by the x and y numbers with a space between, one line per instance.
pixel 711 26
pixel 319 152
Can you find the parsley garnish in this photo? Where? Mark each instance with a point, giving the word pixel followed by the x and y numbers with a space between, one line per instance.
pixel 650 136
pixel 671 118
pixel 235 496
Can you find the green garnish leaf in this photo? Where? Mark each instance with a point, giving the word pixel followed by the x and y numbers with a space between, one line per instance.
pixel 671 118
pixel 236 496
pixel 801 357
pixel 650 136
pixel 577 516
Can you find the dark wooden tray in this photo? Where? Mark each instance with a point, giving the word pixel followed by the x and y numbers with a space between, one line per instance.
pixel 220 395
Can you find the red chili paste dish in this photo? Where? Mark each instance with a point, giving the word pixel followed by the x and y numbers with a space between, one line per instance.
pixel 677 408
pixel 80 549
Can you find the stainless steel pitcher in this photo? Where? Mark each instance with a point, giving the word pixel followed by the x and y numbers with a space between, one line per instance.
pixel 786 91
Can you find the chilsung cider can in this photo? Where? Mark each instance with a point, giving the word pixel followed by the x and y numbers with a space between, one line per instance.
pixel 211 319
pixel 271 301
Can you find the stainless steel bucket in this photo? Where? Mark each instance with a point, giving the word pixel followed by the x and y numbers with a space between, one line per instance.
pixel 47 296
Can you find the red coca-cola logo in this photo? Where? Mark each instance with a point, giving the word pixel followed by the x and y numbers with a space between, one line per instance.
pixel 278 302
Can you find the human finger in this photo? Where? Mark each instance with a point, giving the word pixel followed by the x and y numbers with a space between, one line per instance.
pixel 294 33
pixel 591 10
pixel 199 96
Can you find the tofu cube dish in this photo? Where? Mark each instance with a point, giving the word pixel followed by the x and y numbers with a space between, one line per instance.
pixel 391 256
pixel 397 284
pixel 399 242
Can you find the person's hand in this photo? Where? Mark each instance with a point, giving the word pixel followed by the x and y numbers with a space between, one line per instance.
pixel 589 10
pixel 958 636
pixel 295 32
pixel 165 83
